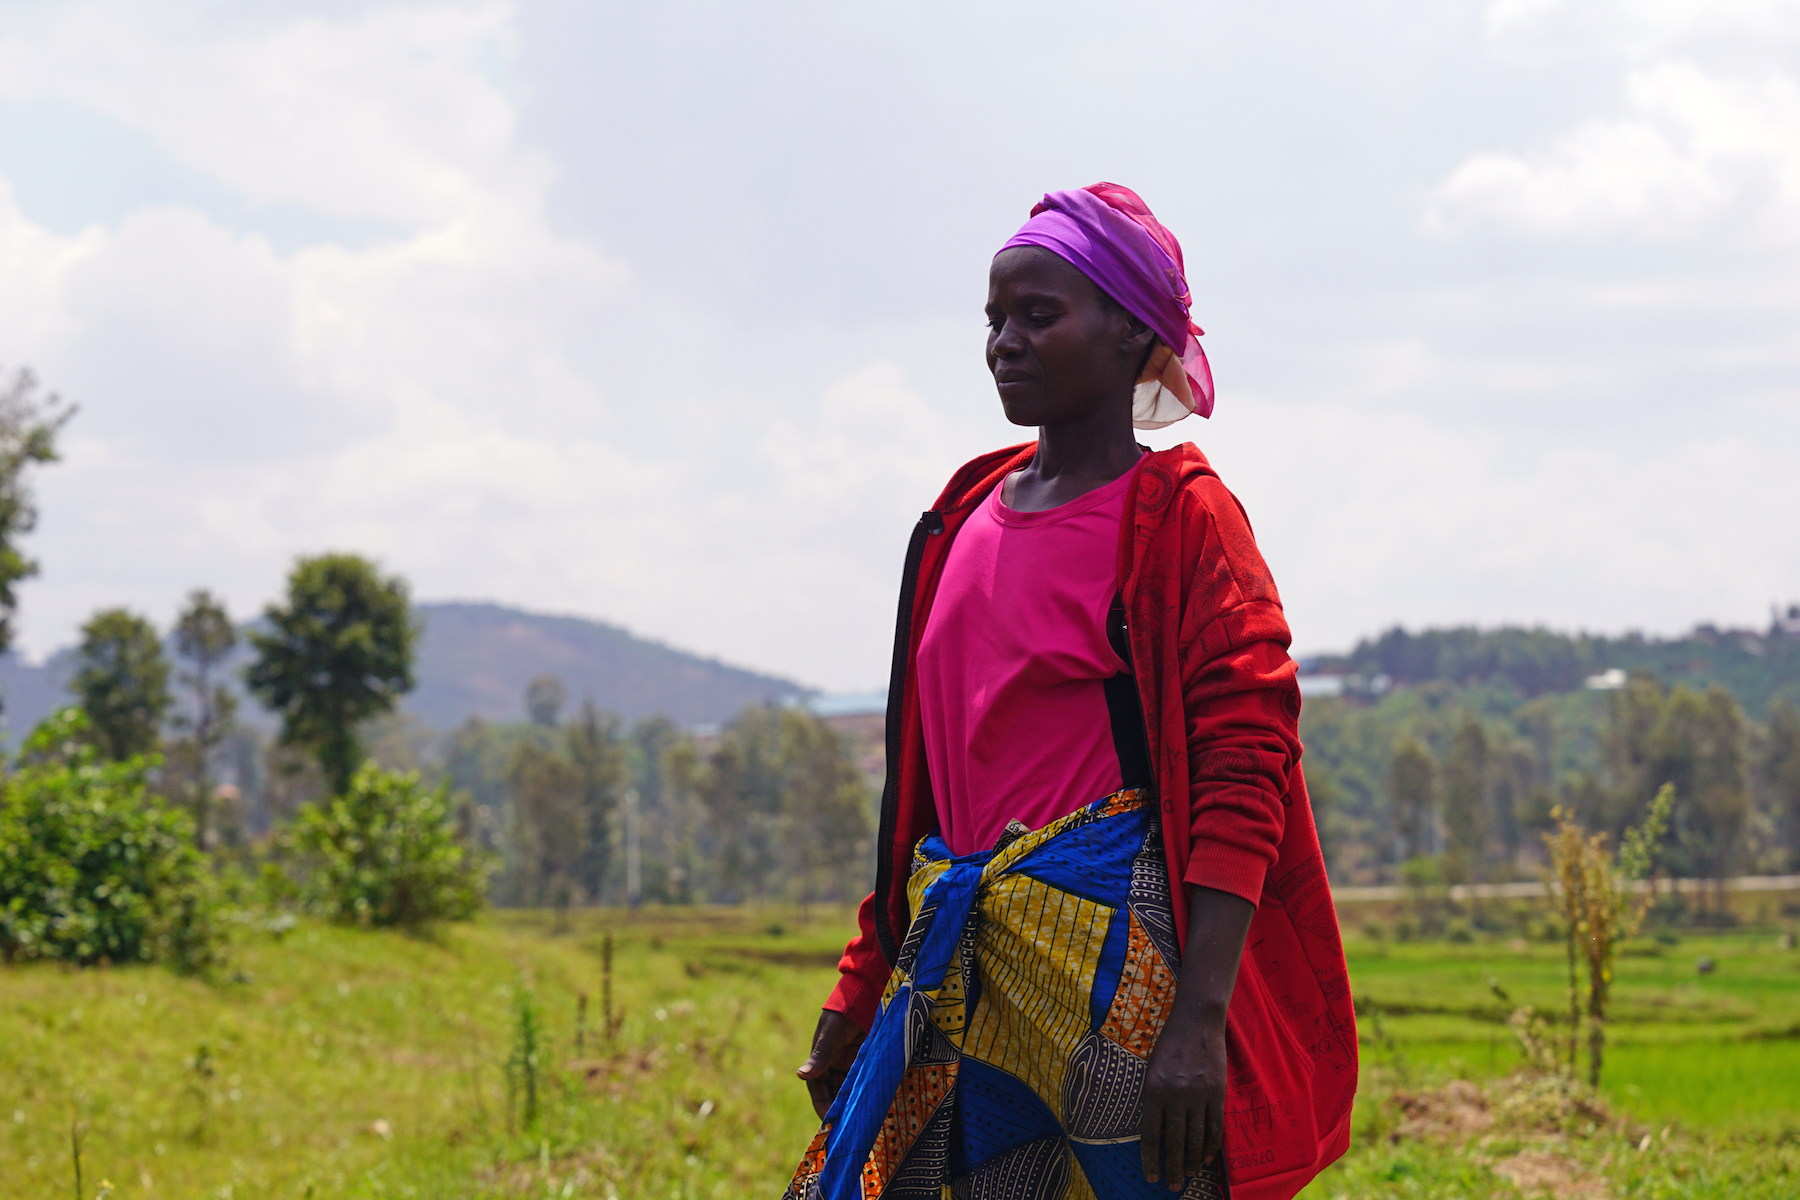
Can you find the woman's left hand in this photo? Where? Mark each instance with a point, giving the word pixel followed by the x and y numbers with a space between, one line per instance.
pixel 1183 1124
pixel 1184 1095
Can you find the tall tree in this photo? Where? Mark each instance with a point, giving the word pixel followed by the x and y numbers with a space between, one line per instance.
pixel 1781 774
pixel 1517 799
pixel 1466 799
pixel 594 747
pixel 1630 751
pixel 1324 793
pixel 476 760
pixel 653 738
pixel 1701 745
pixel 1412 787
pixel 827 809
pixel 337 652
pixel 204 638
pixel 29 424
pixel 549 833
pixel 741 792
pixel 122 683
pixel 787 811
pixel 667 772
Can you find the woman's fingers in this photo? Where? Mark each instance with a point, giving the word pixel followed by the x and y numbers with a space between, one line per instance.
pixel 1150 1136
pixel 822 1092
pixel 1194 1148
pixel 834 1044
pixel 1176 1128
pixel 820 1087
pixel 1180 1135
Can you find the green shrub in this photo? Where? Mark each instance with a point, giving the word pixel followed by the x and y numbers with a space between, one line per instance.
pixel 93 868
pixel 384 853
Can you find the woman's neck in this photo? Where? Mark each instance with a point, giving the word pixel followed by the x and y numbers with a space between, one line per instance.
pixel 1071 461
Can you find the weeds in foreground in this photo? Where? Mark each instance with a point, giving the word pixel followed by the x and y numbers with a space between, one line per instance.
pixel 525 1067
pixel 201 1069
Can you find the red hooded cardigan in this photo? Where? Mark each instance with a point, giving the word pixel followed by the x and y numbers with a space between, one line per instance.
pixel 1221 711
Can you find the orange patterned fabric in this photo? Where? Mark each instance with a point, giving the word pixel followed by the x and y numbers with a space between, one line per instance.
pixel 922 1089
pixel 1146 994
pixel 813 1161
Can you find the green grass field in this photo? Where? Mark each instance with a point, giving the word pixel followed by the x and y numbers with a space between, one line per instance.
pixel 344 1063
pixel 1720 1049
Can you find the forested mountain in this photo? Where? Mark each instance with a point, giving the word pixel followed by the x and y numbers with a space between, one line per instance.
pixel 475 660
pixel 1754 665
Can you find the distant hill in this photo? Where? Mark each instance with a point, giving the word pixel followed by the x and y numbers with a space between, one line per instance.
pixel 1756 665
pixel 29 693
pixel 475 660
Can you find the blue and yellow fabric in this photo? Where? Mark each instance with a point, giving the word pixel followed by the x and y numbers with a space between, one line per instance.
pixel 1008 1059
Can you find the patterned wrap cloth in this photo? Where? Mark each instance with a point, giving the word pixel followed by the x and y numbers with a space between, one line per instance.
pixel 1008 1059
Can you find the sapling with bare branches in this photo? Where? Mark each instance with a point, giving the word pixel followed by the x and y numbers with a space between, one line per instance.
pixel 1602 907
pixel 1567 883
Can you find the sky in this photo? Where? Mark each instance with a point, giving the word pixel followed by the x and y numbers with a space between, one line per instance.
pixel 671 315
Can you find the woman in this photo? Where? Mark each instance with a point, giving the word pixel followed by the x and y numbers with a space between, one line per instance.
pixel 1094 799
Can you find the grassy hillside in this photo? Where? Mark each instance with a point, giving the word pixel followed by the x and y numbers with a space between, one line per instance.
pixel 341 1063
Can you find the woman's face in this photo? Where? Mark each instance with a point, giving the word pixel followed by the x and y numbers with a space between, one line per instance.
pixel 1059 350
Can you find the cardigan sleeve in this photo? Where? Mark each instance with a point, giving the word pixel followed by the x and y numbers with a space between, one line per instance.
pixel 862 972
pixel 1240 701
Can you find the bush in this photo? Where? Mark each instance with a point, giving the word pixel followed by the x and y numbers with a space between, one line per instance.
pixel 384 854
pixel 93 868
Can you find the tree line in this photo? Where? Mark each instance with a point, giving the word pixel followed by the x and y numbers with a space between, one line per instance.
pixel 1458 784
pixel 769 807
pixel 1757 666
pixel 132 818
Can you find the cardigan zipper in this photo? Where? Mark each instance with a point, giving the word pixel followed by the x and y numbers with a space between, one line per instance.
pixel 929 523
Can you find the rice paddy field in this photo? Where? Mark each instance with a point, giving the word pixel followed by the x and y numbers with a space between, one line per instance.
pixel 504 1059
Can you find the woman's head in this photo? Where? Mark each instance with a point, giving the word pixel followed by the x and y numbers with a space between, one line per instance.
pixel 1103 237
pixel 1060 349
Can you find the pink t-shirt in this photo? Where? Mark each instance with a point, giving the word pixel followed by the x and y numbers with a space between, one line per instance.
pixel 1013 664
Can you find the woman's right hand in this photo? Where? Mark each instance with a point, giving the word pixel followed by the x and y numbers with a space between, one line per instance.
pixel 834 1045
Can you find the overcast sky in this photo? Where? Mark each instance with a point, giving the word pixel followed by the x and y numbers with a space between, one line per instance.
pixel 671 314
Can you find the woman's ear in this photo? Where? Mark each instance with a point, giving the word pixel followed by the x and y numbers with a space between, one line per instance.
pixel 1140 341
pixel 1138 335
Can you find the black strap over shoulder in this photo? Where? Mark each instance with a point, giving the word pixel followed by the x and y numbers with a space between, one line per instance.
pixel 1124 707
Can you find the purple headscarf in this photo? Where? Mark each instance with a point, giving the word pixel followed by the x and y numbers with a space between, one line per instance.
pixel 1108 234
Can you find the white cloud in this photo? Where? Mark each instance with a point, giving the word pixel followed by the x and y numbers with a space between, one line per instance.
pixel 1428 525
pixel 389 115
pixel 1636 27
pixel 1695 150
pixel 240 404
